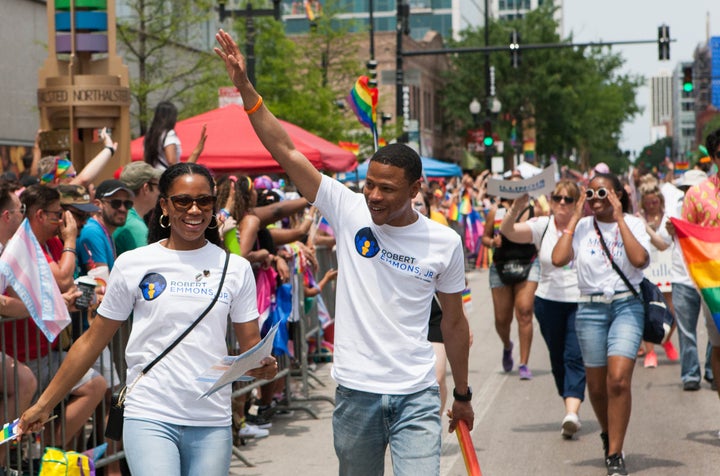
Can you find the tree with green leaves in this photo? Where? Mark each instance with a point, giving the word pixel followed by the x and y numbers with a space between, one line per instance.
pixel 575 98
pixel 165 46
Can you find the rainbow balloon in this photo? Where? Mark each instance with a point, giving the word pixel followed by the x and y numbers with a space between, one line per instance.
pixel 699 246
pixel 468 449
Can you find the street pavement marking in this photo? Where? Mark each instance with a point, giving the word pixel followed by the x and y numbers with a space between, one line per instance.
pixel 483 401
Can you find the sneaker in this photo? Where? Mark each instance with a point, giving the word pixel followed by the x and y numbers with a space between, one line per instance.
pixel 650 360
pixel 259 421
pixel 605 442
pixel 616 465
pixel 252 431
pixel 525 373
pixel 570 425
pixel 691 386
pixel 671 352
pixel 507 360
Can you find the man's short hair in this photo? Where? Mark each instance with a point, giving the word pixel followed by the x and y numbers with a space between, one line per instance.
pixel 7 188
pixel 38 197
pixel 712 141
pixel 400 155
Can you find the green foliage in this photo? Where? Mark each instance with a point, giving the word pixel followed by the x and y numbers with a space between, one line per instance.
pixel 575 98
pixel 157 36
pixel 302 80
pixel 652 157
pixel 711 126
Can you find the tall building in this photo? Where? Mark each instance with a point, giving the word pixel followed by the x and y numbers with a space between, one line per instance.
pixel 661 99
pixel 512 9
pixel 683 115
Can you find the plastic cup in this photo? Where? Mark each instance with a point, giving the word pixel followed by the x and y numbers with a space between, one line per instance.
pixel 86 285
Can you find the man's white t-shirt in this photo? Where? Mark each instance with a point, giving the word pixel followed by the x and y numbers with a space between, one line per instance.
pixel 594 271
pixel 386 279
pixel 166 290
pixel 556 284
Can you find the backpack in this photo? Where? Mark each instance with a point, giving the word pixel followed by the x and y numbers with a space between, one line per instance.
pixel 56 462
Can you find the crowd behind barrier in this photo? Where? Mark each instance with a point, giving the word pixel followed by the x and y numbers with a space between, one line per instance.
pixel 24 456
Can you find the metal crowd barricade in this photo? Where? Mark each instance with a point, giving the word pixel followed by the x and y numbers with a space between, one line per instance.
pixel 22 457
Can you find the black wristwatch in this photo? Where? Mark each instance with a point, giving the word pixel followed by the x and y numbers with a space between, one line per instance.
pixel 463 398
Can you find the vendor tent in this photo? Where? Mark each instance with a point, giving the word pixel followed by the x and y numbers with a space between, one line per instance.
pixel 232 144
pixel 431 168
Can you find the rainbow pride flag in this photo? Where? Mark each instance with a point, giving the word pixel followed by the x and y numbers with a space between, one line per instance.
pixel 468 449
pixel 700 250
pixel 8 431
pixel 363 100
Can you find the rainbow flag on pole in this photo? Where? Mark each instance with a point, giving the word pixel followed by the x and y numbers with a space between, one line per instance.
pixel 363 100
pixel 701 251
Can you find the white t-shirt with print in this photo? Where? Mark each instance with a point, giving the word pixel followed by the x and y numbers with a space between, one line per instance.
pixel 386 279
pixel 594 271
pixel 556 284
pixel 166 290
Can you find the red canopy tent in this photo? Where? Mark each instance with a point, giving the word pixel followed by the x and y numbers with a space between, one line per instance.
pixel 232 144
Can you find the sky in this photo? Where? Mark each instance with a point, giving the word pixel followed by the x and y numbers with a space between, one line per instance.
pixel 624 20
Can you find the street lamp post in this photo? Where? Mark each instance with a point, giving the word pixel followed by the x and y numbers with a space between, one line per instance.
pixel 475 111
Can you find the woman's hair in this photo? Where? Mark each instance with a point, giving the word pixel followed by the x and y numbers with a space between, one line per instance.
pixel 244 188
pixel 569 186
pixel 619 189
pixel 400 155
pixel 712 141
pixel 155 231
pixel 648 189
pixel 163 121
pixel 224 186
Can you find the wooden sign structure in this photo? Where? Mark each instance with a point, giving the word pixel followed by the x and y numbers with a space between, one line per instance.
pixel 83 85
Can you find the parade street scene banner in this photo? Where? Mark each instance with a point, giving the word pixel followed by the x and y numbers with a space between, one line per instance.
pixel 541 184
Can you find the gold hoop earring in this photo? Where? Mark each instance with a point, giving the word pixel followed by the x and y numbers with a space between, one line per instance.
pixel 160 220
pixel 215 220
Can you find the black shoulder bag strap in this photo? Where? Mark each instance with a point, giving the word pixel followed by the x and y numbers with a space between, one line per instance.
pixel 192 326
pixel 614 266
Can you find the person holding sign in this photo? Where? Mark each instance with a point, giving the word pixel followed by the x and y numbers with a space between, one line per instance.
pixel 166 286
pixel 556 297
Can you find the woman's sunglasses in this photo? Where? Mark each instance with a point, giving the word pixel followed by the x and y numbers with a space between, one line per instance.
pixel 560 198
pixel 185 202
pixel 599 194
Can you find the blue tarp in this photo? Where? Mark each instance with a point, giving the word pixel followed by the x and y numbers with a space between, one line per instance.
pixel 431 168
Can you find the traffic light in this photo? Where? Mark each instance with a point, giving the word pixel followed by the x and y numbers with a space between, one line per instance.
pixel 663 42
pixel 687 79
pixel 488 140
pixel 515 49
pixel 372 73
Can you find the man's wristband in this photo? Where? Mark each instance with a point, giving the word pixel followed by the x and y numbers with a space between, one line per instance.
pixel 111 148
pixel 70 250
pixel 463 398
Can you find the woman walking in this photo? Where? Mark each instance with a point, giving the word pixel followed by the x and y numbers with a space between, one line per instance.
pixel 609 320
pixel 556 296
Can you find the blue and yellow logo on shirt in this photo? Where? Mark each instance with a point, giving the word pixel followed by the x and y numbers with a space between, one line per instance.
pixel 366 244
pixel 152 286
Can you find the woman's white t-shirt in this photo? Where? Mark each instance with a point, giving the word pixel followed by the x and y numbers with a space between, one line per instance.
pixel 171 138
pixel 556 284
pixel 166 290
pixel 594 271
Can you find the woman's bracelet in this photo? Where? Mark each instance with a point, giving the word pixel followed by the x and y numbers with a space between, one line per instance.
pixel 111 149
pixel 567 232
pixel 70 250
pixel 257 105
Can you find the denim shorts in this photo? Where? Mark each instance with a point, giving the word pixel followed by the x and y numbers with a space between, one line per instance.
pixel 365 423
pixel 154 447
pixel 495 281
pixel 609 329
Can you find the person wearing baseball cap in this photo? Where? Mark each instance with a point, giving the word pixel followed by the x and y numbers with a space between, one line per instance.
pixel 143 180
pixel 95 245
pixel 76 199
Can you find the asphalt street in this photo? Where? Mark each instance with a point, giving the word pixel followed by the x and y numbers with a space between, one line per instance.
pixel 517 423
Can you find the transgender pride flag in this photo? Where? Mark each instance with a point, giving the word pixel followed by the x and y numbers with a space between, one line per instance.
pixel 24 267
pixel 701 250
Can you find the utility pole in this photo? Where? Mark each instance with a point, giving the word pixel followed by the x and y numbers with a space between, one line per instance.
pixel 249 13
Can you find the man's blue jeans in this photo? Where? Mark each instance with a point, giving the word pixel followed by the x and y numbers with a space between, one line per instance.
pixel 687 304
pixel 364 423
